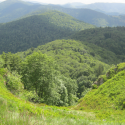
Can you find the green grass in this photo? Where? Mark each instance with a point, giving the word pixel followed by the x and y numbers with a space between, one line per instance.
pixel 102 106
pixel 16 111
pixel 108 100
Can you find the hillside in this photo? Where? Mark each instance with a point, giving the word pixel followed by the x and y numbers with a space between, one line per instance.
pixel 112 39
pixel 11 9
pixel 37 30
pixel 76 61
pixel 87 15
pixel 108 98
pixel 107 7
pixel 7 3
pixel 15 110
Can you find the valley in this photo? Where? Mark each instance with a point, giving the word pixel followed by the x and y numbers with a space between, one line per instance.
pixel 61 65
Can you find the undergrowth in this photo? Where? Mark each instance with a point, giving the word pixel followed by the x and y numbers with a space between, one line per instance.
pixel 107 100
pixel 101 106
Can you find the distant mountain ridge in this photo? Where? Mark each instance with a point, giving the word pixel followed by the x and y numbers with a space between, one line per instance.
pixel 107 8
pixel 11 10
pixel 74 5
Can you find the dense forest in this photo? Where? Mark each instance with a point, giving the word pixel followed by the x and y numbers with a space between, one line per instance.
pixel 75 61
pixel 56 69
pixel 111 39
pixel 37 30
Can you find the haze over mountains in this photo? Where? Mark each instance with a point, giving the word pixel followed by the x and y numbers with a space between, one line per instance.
pixel 11 10
pixel 65 57
pixel 108 8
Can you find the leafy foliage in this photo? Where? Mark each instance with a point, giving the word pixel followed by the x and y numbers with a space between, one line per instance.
pixel 11 61
pixel 109 95
pixel 37 30
pixel 39 73
pixel 13 82
pixel 74 61
pixel 109 39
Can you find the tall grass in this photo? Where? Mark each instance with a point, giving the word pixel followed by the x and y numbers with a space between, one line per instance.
pixel 67 117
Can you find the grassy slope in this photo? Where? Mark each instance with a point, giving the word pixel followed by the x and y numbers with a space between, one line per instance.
pixel 108 100
pixel 17 111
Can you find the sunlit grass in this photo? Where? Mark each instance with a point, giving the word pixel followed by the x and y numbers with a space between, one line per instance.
pixel 14 111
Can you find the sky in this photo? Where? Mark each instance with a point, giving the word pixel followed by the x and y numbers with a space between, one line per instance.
pixel 70 1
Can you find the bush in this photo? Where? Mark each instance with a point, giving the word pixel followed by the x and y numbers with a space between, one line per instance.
pixel 14 82
pixel 94 86
pixel 2 71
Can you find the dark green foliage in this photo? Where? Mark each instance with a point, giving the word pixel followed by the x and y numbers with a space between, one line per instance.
pixel 111 39
pixel 39 73
pixel 11 61
pixel 110 95
pixel 94 86
pixel 99 70
pixel 1 62
pixel 74 61
pixel 37 30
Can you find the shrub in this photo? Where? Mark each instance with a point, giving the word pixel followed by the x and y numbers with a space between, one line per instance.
pixel 94 86
pixel 14 82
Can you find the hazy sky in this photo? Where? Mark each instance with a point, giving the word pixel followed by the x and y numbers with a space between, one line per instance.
pixel 82 1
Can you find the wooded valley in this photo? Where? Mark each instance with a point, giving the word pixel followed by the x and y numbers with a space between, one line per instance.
pixel 60 65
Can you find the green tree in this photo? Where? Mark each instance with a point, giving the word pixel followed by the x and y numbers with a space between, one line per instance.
pixel 11 61
pixel 39 73
pixel 99 70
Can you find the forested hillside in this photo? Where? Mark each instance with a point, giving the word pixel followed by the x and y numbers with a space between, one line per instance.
pixel 75 61
pixel 112 39
pixel 66 70
pixel 53 65
pixel 10 11
pixel 87 15
pixel 109 97
pixel 37 30
pixel 13 9
pixel 17 110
